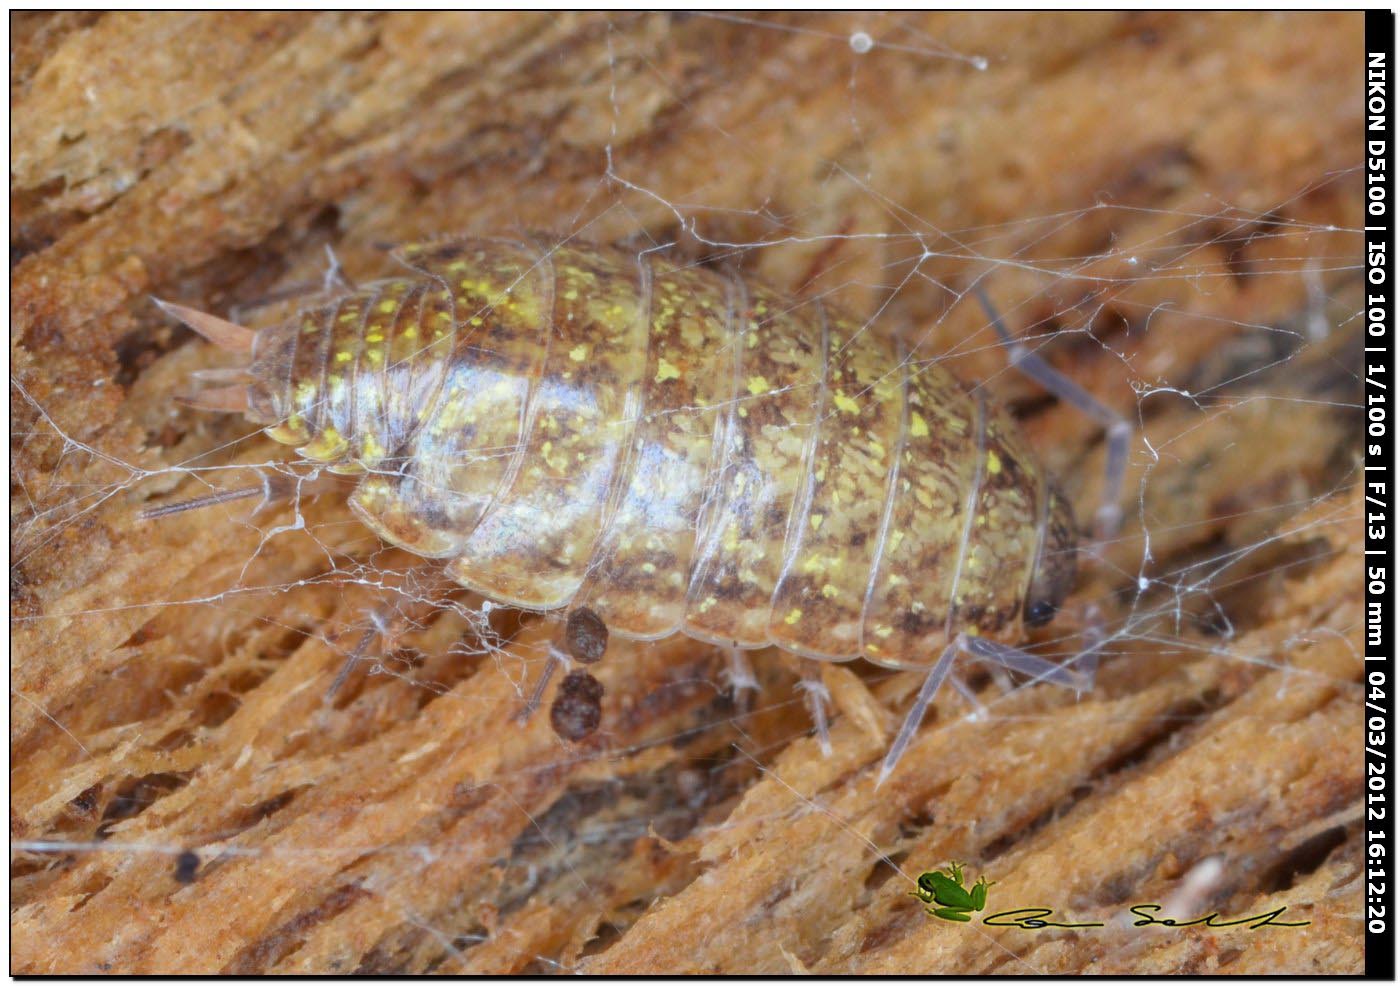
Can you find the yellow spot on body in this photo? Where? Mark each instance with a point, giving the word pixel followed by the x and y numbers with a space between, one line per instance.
pixel 707 604
pixel 758 385
pixel 752 339
pixel 375 357
pixel 475 321
pixel 665 370
pixel 410 333
pixel 816 521
pixel 579 353
pixel 918 427
pixel 731 538
pixel 829 591
pixel 743 412
pixel 375 336
pixel 343 357
pixel 883 631
pixel 895 538
pixel 387 307
pixel 348 317
pixel 571 295
pixel 649 568
pixel 993 462
pixel 844 403
pixel 792 617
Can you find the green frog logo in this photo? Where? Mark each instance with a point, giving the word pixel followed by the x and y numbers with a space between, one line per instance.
pixel 945 897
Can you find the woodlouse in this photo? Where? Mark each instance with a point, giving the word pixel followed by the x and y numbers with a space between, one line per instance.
pixel 674 447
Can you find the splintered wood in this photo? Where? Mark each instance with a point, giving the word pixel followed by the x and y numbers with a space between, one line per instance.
pixel 1165 204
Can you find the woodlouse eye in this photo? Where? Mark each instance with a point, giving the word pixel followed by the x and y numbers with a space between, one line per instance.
pixel 586 636
pixel 1040 612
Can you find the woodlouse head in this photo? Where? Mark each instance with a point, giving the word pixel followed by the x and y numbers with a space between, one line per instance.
pixel 1055 568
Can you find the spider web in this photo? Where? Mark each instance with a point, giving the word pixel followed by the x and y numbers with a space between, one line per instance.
pixel 410 821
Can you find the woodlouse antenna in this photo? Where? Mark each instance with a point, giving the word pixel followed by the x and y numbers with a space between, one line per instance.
pixel 226 335
pixel 224 496
pixel 273 488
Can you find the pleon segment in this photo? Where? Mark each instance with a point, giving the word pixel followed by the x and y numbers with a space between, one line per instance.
pixel 763 459
pixel 458 390
pixel 910 593
pixel 376 433
pixel 270 393
pixel 816 609
pixel 1001 549
pixel 307 374
pixel 532 546
pixel 638 574
pixel 343 371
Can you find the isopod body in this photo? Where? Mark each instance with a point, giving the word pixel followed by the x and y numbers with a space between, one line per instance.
pixel 676 447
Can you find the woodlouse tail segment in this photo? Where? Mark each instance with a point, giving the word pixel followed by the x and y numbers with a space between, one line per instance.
pixel 226 335
pixel 231 393
pixel 232 399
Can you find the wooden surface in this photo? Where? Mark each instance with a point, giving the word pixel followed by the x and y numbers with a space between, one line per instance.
pixel 1168 203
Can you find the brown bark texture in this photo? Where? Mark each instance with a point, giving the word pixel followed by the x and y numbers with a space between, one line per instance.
pixel 1166 204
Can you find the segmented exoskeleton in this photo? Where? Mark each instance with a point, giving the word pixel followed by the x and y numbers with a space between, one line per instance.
pixel 677 448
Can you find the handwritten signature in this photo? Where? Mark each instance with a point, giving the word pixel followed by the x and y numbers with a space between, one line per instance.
pixel 1035 918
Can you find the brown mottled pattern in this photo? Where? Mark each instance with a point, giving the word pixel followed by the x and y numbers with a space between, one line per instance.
pixel 470 360
pixel 817 607
pixel 639 573
pixel 343 368
pixel 385 370
pixel 674 447
pixel 533 546
pixel 1001 549
pixel 772 419
pixel 907 610
pixel 269 396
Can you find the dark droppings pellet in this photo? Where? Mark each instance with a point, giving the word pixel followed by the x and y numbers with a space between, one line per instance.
pixel 586 636
pixel 578 708
pixel 186 866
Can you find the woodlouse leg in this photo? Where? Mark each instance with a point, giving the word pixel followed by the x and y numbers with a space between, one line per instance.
pixel 378 628
pixel 921 703
pixel 1119 430
pixel 1014 659
pixel 740 672
pixel 335 278
pixel 557 659
pixel 1088 659
pixel 979 711
pixel 817 697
